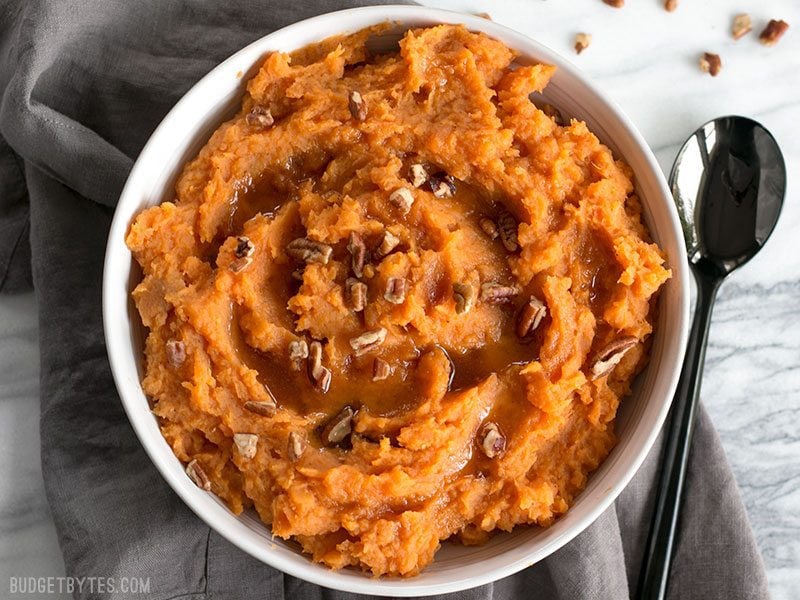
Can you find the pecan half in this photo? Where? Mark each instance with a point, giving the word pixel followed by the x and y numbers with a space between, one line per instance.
pixel 609 357
pixel 396 290
pixel 244 247
pixel 380 370
pixel 442 185
pixel 582 42
pixel 176 352
pixel 389 242
pixel 265 408
pixel 773 32
pixel 319 375
pixel 497 293
pixel 356 293
pixel 417 175
pixel 489 228
pixel 464 295
pixel 357 106
pixel 742 25
pixel 403 199
pixel 296 445
pixel 530 317
pixel 246 444
pixel 493 443
pixel 358 253
pixel 339 427
pixel 259 117
pixel 298 352
pixel 309 251
pixel 196 473
pixel 240 264
pixel 368 341
pixel 507 226
pixel 710 63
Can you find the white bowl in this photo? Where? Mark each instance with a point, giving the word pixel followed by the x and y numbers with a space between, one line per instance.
pixel 187 127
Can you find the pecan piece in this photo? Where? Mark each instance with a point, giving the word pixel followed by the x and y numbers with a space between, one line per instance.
pixel 610 356
pixel 358 253
pixel 380 370
pixel 339 427
pixel 530 317
pixel 396 290
pixel 417 175
pixel 298 352
pixel 507 226
pixel 319 375
pixel 196 473
pixel 710 63
pixel 244 247
pixel 296 445
pixel 742 25
pixel 265 408
pixel 246 444
pixel 493 443
pixel 389 242
pixel 368 341
pixel 773 32
pixel 357 106
pixel 259 117
pixel 582 42
pixel 464 295
pixel 442 185
pixel 497 293
pixel 357 293
pixel 176 352
pixel 240 264
pixel 309 251
pixel 670 5
pixel 403 199
pixel 489 228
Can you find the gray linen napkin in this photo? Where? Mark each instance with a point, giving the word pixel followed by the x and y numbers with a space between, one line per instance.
pixel 83 86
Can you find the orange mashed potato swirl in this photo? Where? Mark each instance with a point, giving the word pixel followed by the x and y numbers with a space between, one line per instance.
pixel 393 302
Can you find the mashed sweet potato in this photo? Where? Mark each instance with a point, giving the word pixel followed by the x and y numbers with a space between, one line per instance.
pixel 393 302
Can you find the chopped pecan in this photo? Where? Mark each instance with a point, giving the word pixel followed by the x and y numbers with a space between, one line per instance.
pixel 309 251
pixel 442 185
pixel 402 198
pixel 530 317
pixel 176 352
pixel 507 226
pixel 380 369
pixel 609 357
pixel 497 293
pixel 582 42
pixel 246 444
pixel 358 253
pixel 240 264
pixel 417 175
pixel 773 32
pixel 710 63
pixel 244 247
pixel 368 341
pixel 319 375
pixel 196 473
pixel 298 352
pixel 493 443
pixel 396 290
pixel 489 228
pixel 357 293
pixel 339 427
pixel 357 106
pixel 464 295
pixel 296 445
pixel 389 242
pixel 264 408
pixel 260 117
pixel 742 25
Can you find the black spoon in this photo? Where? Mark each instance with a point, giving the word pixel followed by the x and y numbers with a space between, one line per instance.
pixel 728 181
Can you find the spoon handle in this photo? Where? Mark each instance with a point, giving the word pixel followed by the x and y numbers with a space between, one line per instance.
pixel 658 557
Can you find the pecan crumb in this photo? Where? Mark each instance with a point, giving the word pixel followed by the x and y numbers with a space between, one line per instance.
pixel 442 185
pixel 609 357
pixel 497 293
pixel 320 375
pixel 615 3
pixel 198 475
pixel 507 226
pixel 396 290
pixel 298 352
pixel 489 228
pixel 484 15
pixel 417 175
pixel 357 106
pixel 358 253
pixel 742 25
pixel 380 370
pixel 260 117
pixel 493 443
pixel 339 427
pixel 309 251
pixel 368 341
pixel 464 295
pixel 710 63
pixel 176 352
pixel 357 293
pixel 773 32
pixel 670 5
pixel 402 198
pixel 296 445
pixel 246 444
pixel 530 317
pixel 582 42
pixel 266 408
pixel 244 247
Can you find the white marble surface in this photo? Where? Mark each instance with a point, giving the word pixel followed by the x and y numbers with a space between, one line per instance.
pixel 646 59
